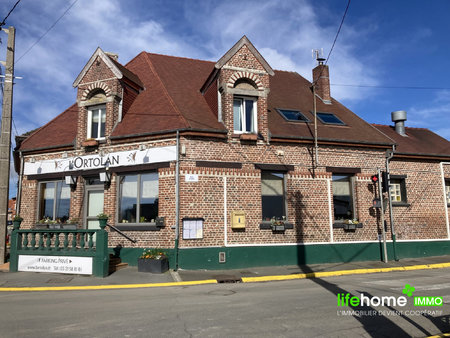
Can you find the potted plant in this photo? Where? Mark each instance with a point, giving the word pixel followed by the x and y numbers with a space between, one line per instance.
pixel 102 219
pixel 278 224
pixel 16 222
pixel 154 261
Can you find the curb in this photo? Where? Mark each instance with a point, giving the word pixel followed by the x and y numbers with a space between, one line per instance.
pixel 244 279
pixel 343 273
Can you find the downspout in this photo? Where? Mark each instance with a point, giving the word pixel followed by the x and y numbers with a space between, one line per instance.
pixel 316 147
pixel 389 156
pixel 177 201
pixel 19 187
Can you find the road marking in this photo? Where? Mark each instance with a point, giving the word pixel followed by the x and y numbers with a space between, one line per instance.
pixel 244 279
pixel 108 287
pixel 343 273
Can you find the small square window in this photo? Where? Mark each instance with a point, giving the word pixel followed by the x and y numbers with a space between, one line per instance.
pixel 329 118
pixel 398 190
pixel 292 115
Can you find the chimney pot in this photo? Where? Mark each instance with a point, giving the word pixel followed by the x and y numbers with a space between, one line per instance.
pixel 399 118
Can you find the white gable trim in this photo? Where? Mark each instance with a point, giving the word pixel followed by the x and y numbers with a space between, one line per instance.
pixel 105 58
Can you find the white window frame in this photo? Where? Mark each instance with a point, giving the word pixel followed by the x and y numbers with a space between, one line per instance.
pixel 447 191
pixel 243 130
pixel 55 198
pixel 396 192
pixel 89 121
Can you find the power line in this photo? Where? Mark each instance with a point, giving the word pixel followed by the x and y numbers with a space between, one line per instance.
pixel 6 17
pixel 48 30
pixel 335 39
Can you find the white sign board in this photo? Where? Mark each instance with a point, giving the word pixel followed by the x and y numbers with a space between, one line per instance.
pixel 56 264
pixel 111 160
pixel 191 178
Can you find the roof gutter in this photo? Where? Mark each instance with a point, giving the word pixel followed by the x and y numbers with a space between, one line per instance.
pixel 171 131
pixel 281 138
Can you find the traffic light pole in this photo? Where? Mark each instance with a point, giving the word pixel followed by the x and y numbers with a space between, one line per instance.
pixel 389 155
pixel 380 190
pixel 5 139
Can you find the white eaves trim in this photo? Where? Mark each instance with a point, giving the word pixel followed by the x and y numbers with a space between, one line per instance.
pixel 105 58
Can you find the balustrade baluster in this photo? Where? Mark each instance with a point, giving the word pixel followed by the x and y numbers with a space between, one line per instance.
pixel 33 240
pixel 25 241
pixel 74 240
pixel 41 240
pixel 82 240
pixel 48 242
pixel 91 240
pixel 57 241
pixel 66 240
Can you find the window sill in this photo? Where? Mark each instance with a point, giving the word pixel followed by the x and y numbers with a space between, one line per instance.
pixel 248 137
pixel 267 225
pixel 138 227
pixel 346 226
pixel 400 204
pixel 90 143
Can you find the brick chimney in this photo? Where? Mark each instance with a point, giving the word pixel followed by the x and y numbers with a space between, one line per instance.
pixel 321 77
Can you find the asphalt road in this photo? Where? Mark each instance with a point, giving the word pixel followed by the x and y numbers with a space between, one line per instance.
pixel 299 308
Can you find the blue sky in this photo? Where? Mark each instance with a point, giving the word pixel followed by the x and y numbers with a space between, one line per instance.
pixel 382 43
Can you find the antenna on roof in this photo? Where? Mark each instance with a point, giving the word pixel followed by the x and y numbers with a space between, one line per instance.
pixel 318 55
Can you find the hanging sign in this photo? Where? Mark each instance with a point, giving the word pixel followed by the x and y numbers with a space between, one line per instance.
pixel 111 160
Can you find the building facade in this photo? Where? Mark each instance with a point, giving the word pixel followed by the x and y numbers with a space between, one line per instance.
pixel 226 165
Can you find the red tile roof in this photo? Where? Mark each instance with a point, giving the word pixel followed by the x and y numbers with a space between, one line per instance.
pixel 418 142
pixel 172 100
pixel 59 132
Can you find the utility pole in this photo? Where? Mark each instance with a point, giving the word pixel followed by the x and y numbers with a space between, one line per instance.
pixel 5 138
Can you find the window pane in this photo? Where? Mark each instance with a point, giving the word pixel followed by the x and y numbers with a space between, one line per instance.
pixel 128 199
pixel 62 201
pixel 293 115
pixel 102 124
pixel 47 199
pixel 94 125
pixel 237 115
pixel 396 191
pixel 249 116
pixel 272 191
pixel 149 197
pixel 342 197
pixel 447 192
pixel 329 118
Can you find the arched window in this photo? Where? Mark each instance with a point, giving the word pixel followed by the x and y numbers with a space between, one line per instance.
pixel 244 107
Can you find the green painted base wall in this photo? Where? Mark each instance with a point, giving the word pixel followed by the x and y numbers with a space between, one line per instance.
pixel 245 257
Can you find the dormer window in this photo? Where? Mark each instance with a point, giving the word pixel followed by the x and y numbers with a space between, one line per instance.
pixel 244 115
pixel 96 122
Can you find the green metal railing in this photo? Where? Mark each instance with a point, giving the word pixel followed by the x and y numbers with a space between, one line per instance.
pixel 58 242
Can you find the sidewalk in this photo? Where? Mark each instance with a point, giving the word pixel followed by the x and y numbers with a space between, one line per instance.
pixel 129 277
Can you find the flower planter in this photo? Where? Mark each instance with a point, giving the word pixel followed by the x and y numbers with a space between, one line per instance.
pixel 278 227
pixel 153 265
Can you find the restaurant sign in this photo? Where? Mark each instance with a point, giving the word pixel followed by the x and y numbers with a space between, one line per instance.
pixel 96 161
pixel 56 264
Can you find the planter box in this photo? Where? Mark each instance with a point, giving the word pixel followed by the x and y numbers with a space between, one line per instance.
pixel 153 265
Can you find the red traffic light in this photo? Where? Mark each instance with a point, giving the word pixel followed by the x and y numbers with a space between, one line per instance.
pixel 374 178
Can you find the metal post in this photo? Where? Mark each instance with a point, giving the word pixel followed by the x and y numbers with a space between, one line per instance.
pixel 5 139
pixel 380 189
pixel 177 201
pixel 389 155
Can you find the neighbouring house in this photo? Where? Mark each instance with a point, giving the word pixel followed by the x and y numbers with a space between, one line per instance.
pixel 230 154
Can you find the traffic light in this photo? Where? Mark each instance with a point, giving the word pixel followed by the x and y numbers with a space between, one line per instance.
pixel 374 179
pixel 385 181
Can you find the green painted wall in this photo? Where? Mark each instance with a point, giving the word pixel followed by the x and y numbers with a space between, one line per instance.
pixel 244 257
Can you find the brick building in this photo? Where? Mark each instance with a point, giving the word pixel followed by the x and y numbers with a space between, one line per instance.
pixel 218 163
